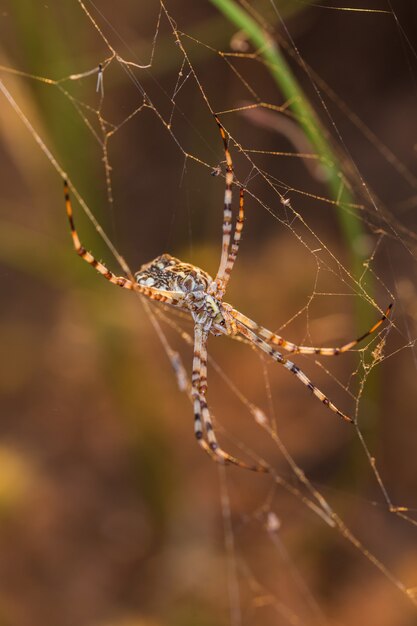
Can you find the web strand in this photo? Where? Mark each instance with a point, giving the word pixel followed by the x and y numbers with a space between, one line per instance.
pixel 287 207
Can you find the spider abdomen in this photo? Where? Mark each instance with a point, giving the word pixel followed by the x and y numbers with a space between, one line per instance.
pixel 170 274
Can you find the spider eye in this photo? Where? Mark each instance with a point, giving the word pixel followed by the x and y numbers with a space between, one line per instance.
pixel 222 323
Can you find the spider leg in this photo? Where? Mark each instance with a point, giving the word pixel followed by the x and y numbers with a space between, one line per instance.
pixel 202 417
pixel 169 297
pixel 291 367
pixel 229 251
pixel 277 340
pixel 234 248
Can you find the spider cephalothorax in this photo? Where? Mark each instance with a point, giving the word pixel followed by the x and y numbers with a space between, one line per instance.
pixel 189 288
pixel 200 294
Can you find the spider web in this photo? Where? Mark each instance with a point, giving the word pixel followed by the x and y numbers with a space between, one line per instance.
pixel 122 105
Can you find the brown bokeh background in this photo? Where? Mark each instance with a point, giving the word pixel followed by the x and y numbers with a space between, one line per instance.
pixel 109 512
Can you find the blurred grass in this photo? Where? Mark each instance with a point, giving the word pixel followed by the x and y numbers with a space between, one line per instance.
pixel 38 52
pixel 17 481
pixel 129 379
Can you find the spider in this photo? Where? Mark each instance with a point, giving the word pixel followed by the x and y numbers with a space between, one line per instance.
pixel 191 289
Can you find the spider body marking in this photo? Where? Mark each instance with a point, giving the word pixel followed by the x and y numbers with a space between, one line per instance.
pixel 200 297
pixel 185 286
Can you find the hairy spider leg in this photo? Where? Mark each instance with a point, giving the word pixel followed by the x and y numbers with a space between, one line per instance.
pixel 227 210
pixel 229 251
pixel 234 248
pixel 277 340
pixel 202 417
pixel 291 367
pixel 168 297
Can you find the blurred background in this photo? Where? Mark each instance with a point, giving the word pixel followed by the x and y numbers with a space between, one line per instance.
pixel 110 514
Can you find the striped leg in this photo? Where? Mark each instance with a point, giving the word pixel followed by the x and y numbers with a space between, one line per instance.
pixel 229 251
pixel 195 383
pixel 291 367
pixel 227 210
pixel 202 417
pixel 169 297
pixel 234 248
pixel 276 340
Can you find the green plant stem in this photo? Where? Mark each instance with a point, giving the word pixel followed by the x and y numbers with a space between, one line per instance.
pixel 299 105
